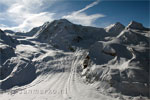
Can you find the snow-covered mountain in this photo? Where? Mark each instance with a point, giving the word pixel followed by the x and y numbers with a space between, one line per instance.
pixel 68 61
pixel 136 25
pixel 64 34
pixel 115 29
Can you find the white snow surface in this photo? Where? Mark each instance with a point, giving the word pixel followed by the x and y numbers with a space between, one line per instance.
pixel 64 61
pixel 58 79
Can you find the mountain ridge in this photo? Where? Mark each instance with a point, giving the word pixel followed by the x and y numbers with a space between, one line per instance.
pixel 64 56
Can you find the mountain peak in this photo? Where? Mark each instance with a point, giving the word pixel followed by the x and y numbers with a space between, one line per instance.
pixel 54 26
pixel 64 20
pixel 116 25
pixel 57 22
pixel 115 29
pixel 61 22
pixel 135 25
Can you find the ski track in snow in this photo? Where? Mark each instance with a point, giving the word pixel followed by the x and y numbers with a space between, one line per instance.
pixel 65 85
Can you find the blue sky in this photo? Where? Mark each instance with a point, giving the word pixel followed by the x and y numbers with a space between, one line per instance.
pixel 22 15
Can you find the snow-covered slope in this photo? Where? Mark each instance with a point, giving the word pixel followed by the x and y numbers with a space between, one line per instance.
pixel 65 61
pixel 132 38
pixel 115 29
pixel 64 34
pixel 5 39
pixel 121 66
pixel 123 63
pixel 7 45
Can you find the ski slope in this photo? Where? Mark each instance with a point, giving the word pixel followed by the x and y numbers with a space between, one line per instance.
pixel 64 61
pixel 58 80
